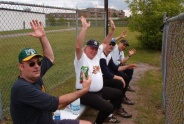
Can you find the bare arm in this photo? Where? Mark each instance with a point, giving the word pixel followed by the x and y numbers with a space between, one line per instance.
pixel 108 38
pixel 81 36
pixel 66 99
pixel 130 66
pixel 39 32
pixel 121 79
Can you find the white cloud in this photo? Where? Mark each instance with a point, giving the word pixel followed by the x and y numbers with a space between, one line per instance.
pixel 127 13
pixel 80 4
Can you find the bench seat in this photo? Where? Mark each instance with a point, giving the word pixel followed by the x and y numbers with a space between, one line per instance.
pixel 67 113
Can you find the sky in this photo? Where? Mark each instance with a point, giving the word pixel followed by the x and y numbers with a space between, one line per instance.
pixel 80 4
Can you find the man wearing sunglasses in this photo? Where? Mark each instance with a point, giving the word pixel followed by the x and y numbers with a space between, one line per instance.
pixel 29 102
pixel 109 70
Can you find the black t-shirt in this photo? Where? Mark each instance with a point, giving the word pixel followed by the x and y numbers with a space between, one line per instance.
pixel 29 104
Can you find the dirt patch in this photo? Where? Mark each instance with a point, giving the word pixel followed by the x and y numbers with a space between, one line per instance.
pixel 90 114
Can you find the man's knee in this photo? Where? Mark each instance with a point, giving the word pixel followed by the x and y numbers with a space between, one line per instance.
pixel 108 108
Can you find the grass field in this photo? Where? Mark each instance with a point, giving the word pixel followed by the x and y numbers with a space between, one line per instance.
pixel 62 76
pixel 149 104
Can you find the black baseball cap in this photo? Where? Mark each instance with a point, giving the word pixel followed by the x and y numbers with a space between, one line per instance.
pixel 92 43
pixel 125 42
pixel 113 41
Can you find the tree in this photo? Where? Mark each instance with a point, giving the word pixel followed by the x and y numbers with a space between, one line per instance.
pixel 114 15
pixel 51 20
pixel 147 17
pixel 61 21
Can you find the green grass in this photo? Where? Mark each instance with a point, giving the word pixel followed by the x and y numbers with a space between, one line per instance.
pixel 149 104
pixel 63 44
pixel 60 79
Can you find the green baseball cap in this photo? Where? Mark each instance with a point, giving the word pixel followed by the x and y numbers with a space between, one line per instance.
pixel 28 53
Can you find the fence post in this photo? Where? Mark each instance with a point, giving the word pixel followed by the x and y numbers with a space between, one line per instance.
pixel 164 35
pixel 77 24
pixel 1 110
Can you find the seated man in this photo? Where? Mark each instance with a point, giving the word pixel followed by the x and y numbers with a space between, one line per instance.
pixel 98 96
pixel 120 59
pixel 30 104
pixel 109 70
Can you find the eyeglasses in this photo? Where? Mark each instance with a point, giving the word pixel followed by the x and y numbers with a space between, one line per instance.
pixel 112 44
pixel 32 64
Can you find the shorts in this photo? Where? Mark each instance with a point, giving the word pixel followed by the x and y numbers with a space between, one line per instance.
pixel 67 121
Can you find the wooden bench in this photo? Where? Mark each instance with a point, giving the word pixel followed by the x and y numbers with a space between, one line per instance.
pixel 67 114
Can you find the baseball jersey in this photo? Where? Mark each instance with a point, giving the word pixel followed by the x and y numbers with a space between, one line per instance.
pixel 94 70
pixel 117 55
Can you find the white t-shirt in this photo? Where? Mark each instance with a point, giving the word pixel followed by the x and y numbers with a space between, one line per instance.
pixel 117 55
pixel 94 70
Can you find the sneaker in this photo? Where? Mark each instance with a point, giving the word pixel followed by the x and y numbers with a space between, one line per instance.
pixel 121 112
pixel 112 119
pixel 127 101
pixel 130 89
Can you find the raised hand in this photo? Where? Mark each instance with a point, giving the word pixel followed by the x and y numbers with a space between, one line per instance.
pixel 132 52
pixel 38 29
pixel 112 24
pixel 123 34
pixel 85 24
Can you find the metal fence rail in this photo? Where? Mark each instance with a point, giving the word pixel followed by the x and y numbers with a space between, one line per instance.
pixel 173 69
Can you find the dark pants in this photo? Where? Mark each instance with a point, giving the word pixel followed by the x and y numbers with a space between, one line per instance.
pixel 67 121
pixel 99 101
pixel 129 73
pixel 115 84
pixel 127 76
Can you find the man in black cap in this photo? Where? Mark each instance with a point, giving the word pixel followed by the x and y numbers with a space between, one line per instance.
pixel 120 60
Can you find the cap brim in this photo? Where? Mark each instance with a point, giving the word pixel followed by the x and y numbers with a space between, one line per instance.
pixel 113 43
pixel 127 44
pixel 93 46
pixel 30 57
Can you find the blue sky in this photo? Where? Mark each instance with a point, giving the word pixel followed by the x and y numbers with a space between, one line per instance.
pixel 80 4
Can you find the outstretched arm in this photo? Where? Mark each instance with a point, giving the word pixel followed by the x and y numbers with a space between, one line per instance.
pixel 66 99
pixel 130 66
pixel 81 36
pixel 108 38
pixel 39 32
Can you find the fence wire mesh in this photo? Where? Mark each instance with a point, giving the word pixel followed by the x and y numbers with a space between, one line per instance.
pixel 173 72
pixel 61 26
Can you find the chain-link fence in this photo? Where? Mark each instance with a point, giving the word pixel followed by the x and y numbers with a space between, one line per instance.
pixel 173 69
pixel 61 25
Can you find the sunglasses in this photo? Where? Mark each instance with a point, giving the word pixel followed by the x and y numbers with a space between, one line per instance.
pixel 112 44
pixel 32 64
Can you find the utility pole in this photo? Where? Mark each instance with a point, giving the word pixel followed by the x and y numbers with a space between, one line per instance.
pixel 106 20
